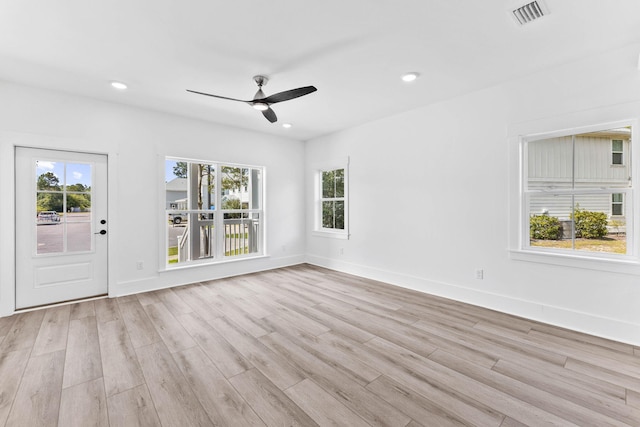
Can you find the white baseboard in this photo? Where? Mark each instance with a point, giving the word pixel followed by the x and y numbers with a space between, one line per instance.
pixel 172 278
pixel 582 322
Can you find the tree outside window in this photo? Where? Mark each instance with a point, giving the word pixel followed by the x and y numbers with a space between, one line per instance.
pixel 333 199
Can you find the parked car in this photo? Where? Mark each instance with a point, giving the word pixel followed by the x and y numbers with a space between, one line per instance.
pixel 48 217
pixel 177 218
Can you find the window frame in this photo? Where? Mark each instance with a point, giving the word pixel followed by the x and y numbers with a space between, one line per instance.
pixel 519 236
pixel 616 203
pixel 218 214
pixel 614 152
pixel 318 228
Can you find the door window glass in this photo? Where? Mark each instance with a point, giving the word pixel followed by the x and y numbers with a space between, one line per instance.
pixel 63 207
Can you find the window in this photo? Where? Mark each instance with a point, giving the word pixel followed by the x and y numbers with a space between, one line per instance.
pixel 63 205
pixel 617 151
pixel 570 193
pixel 616 204
pixel 213 211
pixel 332 200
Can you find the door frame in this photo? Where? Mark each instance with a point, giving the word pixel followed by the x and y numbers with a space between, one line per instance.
pixel 8 143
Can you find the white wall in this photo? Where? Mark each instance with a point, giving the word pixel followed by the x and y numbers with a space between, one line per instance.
pixel 136 141
pixel 432 196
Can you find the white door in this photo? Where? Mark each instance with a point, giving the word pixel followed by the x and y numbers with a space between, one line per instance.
pixel 61 226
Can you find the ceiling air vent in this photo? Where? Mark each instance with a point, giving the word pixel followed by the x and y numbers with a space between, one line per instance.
pixel 530 12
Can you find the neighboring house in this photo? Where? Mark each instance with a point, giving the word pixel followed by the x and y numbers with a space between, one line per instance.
pixel 176 190
pixel 602 160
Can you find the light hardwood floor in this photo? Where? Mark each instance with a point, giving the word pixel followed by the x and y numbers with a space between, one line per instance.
pixel 305 346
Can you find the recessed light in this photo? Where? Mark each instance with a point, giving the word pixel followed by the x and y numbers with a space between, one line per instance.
pixel 286 125
pixel 409 77
pixel 119 85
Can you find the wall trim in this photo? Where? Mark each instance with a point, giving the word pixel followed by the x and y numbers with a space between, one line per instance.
pixel 158 282
pixel 603 327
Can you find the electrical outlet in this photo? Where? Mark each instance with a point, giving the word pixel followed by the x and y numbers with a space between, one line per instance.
pixel 284 248
pixel 480 274
pixel 341 251
pixel 139 265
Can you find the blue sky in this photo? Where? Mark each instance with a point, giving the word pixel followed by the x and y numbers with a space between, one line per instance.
pixel 168 170
pixel 77 173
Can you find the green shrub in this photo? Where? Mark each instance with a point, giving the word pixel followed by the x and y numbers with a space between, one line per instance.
pixel 544 227
pixel 589 224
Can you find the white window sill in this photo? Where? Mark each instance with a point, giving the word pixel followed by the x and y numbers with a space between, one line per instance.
pixel 627 265
pixel 208 263
pixel 331 234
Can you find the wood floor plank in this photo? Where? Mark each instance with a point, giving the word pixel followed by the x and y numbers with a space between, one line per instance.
pixel 503 402
pixel 592 398
pixel 231 311
pixel 175 402
pixel 604 374
pixel 333 323
pixel 276 409
pixel 626 364
pixel 583 339
pixel 367 405
pixel 220 400
pixel 84 405
pixel 23 331
pixel 498 347
pixel 107 309
pixel 37 402
pixel 350 366
pixel 147 298
pixel 132 407
pixel 323 408
pixel 226 358
pixel 562 377
pixel 141 330
pixel 82 362
pixel 273 366
pixel 195 300
pixel 173 302
pixel 54 330
pixel 5 325
pixel 419 380
pixel 410 338
pixel 315 295
pixel 169 329
pixel 537 398
pixel 120 367
pixel 12 367
pixel 128 298
pixel 413 404
pixel 82 309
pixel 300 320
pixel 633 398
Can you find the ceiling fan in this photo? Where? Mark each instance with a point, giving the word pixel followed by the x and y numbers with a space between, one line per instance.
pixel 263 103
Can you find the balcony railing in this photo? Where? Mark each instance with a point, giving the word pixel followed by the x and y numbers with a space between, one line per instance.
pixel 241 237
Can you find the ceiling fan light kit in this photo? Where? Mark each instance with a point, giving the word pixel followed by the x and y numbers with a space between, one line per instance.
pixel 263 103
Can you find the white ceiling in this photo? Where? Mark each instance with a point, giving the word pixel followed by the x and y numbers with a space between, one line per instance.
pixel 353 51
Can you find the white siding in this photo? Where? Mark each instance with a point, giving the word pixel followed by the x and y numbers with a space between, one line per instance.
pixel 550 166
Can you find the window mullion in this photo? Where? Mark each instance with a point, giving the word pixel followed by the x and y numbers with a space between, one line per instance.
pixel 218 215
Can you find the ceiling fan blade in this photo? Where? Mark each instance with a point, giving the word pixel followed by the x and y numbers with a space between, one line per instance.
pixel 218 96
pixel 288 94
pixel 270 115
